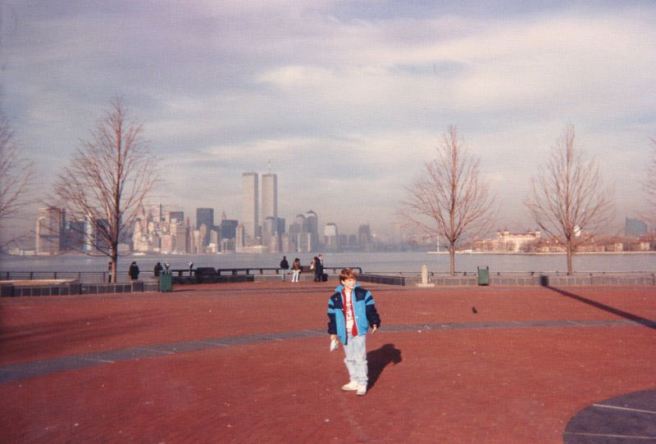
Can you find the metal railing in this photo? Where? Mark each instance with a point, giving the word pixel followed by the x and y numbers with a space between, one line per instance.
pixel 99 277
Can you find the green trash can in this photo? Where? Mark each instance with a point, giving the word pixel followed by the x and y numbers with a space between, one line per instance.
pixel 484 276
pixel 165 281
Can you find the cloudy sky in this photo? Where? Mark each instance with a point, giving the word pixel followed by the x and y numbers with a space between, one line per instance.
pixel 344 100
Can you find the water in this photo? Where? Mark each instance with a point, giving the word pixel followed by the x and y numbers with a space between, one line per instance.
pixel 370 262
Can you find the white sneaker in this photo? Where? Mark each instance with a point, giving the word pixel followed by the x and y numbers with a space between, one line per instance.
pixel 361 390
pixel 350 387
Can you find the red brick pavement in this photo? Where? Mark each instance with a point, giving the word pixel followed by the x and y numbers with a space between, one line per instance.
pixel 453 385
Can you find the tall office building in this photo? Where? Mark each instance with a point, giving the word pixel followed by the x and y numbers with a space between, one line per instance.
pixel 74 235
pixel 269 196
pixel 311 226
pixel 181 233
pixel 89 235
pixel 205 216
pixel 49 230
pixel 634 227
pixel 331 236
pixel 365 241
pixel 249 213
pixel 270 237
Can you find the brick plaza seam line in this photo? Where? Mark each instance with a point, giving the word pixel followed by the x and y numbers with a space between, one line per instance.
pixel 611 436
pixel 615 407
pixel 21 371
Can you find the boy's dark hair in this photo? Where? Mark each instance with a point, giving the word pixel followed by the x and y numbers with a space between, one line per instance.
pixel 347 273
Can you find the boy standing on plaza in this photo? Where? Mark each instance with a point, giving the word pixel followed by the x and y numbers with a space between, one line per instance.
pixel 351 311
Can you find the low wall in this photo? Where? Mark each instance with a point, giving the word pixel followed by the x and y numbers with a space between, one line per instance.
pixel 552 280
pixel 382 279
pixel 36 288
pixel 9 289
pixel 49 288
pixel 213 278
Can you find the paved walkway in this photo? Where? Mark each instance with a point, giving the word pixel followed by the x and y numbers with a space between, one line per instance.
pixel 250 363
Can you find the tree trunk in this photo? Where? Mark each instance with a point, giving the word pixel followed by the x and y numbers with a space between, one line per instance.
pixel 452 259
pixel 114 256
pixel 570 254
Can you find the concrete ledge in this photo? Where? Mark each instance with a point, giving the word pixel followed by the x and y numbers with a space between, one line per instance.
pixel 211 279
pixel 606 280
pixel 382 279
pixel 36 288
pixel 62 288
pixel 600 280
pixel 456 280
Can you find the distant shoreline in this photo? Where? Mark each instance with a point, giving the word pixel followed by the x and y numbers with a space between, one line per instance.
pixel 464 252
pixel 550 253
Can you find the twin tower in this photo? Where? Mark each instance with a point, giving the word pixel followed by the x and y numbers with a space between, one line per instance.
pixel 253 215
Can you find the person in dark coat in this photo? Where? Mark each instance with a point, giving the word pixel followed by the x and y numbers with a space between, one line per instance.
pixel 158 269
pixel 134 271
pixel 284 266
pixel 318 268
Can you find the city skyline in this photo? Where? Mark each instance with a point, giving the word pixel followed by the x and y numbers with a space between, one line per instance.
pixel 345 100
pixel 158 230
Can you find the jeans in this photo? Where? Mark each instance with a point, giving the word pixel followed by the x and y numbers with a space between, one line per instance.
pixel 355 350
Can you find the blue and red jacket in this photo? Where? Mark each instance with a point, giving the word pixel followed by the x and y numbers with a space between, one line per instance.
pixel 364 310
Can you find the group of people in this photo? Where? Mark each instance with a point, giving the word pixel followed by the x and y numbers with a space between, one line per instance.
pixel 296 268
pixel 134 270
pixel 316 266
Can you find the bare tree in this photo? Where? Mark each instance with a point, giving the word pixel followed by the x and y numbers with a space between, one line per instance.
pixel 650 187
pixel 448 199
pixel 16 173
pixel 568 200
pixel 107 180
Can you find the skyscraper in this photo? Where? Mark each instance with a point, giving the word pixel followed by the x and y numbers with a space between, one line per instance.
pixel 249 211
pixel 269 196
pixel 331 236
pixel 205 216
pixel 634 227
pixel 49 230
pixel 364 238
pixel 311 226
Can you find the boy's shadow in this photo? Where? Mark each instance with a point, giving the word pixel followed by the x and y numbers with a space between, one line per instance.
pixel 378 359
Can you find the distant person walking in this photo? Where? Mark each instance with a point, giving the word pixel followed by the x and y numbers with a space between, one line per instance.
pixel 158 269
pixel 296 269
pixel 284 266
pixel 134 271
pixel 109 272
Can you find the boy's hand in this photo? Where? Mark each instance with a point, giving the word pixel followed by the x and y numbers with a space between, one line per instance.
pixel 374 329
pixel 333 337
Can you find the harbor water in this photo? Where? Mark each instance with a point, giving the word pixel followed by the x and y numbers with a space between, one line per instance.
pixel 375 262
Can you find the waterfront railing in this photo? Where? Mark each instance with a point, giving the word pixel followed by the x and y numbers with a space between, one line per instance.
pixel 98 277
pixel 463 278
